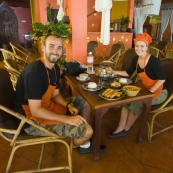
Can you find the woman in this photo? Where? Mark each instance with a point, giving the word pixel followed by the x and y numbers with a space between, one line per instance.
pixel 150 72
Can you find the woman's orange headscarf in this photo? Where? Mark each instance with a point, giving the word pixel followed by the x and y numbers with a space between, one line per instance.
pixel 143 37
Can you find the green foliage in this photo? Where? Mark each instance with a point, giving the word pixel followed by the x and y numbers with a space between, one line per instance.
pixel 124 20
pixel 60 29
pixel 51 14
pixel 61 61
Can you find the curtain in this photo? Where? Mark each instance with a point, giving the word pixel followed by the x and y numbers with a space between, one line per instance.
pixel 165 19
pixel 104 6
pixel 171 24
pixel 60 14
pixel 139 20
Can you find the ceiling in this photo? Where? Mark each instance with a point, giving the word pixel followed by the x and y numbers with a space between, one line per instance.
pixel 167 4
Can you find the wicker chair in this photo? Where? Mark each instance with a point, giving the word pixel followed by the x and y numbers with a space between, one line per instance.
pixel 10 55
pixel 156 52
pixel 162 45
pixel 22 52
pixel 124 61
pixel 123 47
pixel 17 137
pixel 115 52
pixel 154 43
pixel 167 65
pixel 169 53
pixel 12 68
pixel 91 47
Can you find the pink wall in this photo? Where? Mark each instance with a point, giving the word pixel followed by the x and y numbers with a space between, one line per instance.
pixel 125 37
pixel 53 3
pixel 24 21
pixel 41 13
pixel 94 20
pixel 77 47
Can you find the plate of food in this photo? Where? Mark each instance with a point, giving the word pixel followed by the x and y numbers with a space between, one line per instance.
pixel 92 86
pixel 111 94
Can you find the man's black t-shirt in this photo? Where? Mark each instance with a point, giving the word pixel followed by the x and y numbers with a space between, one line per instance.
pixel 33 83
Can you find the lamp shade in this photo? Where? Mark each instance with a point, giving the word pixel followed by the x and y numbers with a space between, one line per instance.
pixel 150 7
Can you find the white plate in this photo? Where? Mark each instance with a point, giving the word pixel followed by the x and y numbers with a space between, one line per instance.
pixel 85 86
pixel 129 81
pixel 83 80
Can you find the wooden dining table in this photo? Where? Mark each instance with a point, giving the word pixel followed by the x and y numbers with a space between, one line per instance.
pixel 100 106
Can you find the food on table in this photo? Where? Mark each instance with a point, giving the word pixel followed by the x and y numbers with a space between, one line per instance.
pixel 109 72
pixel 131 90
pixel 92 85
pixel 123 80
pixel 110 93
pixel 115 84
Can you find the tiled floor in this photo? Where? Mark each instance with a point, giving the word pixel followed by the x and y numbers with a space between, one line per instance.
pixel 123 155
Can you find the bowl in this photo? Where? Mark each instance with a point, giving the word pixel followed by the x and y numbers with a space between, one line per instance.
pixel 83 76
pixel 131 90
pixel 115 85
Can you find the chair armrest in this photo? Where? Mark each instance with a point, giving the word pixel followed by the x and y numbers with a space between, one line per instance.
pixel 23 121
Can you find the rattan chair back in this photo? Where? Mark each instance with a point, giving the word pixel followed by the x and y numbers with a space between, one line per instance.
pixel 13 133
pixel 156 52
pixel 115 52
pixel 169 53
pixel 91 47
pixel 162 45
pixel 10 55
pixel 22 52
pixel 167 65
pixel 13 69
pixel 127 58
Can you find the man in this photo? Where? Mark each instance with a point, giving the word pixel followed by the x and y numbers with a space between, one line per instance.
pixel 37 97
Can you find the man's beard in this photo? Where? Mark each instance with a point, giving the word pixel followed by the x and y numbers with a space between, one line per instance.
pixel 53 60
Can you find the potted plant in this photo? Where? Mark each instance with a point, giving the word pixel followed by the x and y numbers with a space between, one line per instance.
pixel 59 28
pixel 124 21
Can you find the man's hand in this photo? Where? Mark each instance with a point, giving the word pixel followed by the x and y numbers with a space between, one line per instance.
pixel 73 110
pixel 76 120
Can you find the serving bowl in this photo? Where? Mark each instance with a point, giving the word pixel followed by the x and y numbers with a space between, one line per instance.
pixel 131 90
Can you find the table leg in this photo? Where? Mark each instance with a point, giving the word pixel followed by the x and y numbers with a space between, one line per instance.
pixel 145 116
pixel 98 114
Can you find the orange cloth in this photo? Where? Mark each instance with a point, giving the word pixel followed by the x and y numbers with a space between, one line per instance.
pixel 143 37
pixel 147 82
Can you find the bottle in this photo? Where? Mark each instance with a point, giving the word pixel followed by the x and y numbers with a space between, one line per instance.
pixel 90 61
